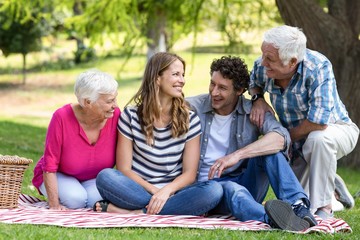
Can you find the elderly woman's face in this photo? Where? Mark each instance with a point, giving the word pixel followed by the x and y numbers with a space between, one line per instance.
pixel 105 105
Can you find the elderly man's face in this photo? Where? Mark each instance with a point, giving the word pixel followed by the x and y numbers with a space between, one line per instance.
pixel 274 67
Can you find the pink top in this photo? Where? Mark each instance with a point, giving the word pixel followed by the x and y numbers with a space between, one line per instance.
pixel 67 149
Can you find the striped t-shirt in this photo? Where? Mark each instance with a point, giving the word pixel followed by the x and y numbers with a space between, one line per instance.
pixel 161 163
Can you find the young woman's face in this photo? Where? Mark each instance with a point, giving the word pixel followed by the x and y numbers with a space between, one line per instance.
pixel 172 81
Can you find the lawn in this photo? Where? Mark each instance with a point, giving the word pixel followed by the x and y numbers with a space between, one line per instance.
pixel 26 110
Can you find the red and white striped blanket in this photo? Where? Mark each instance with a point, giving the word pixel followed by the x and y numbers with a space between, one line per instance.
pixel 32 210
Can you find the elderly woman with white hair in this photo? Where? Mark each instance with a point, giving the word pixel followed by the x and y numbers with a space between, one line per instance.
pixel 80 142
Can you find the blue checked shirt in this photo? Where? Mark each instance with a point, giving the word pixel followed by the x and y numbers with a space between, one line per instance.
pixel 311 94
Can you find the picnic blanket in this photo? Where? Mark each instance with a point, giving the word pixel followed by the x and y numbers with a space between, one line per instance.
pixel 32 210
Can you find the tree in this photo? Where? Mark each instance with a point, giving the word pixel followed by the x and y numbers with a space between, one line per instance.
pixel 21 37
pixel 166 20
pixel 237 17
pixel 333 31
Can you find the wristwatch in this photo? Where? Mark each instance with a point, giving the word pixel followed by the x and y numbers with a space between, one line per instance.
pixel 256 97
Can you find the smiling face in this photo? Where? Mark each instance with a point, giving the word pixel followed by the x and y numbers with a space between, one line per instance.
pixel 223 95
pixel 104 106
pixel 171 81
pixel 274 66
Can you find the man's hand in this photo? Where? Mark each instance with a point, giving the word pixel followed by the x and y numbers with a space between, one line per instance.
pixel 221 164
pixel 304 129
pixel 259 108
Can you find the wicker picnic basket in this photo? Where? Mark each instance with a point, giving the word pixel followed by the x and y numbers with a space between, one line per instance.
pixel 12 170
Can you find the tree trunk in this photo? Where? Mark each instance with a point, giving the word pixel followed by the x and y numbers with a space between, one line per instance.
pixel 80 46
pixel 335 34
pixel 24 68
pixel 156 32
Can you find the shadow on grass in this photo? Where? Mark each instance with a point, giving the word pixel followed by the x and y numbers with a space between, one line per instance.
pixel 63 64
pixel 21 139
pixel 57 86
pixel 35 86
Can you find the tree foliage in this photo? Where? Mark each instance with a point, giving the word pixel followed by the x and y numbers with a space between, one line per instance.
pixel 19 32
pixel 132 23
pixel 239 16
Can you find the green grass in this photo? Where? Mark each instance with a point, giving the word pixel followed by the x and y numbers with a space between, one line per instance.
pixel 27 140
pixel 26 110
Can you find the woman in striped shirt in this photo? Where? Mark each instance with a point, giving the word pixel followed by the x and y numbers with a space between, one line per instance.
pixel 158 150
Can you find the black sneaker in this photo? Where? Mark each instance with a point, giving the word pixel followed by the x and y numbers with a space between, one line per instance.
pixel 303 212
pixel 281 215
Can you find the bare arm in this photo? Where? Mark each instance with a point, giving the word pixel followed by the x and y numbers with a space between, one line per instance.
pixel 188 176
pixel 124 157
pixel 259 108
pixel 50 182
pixel 303 130
pixel 270 143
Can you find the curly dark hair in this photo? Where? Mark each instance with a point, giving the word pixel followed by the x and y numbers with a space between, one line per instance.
pixel 233 68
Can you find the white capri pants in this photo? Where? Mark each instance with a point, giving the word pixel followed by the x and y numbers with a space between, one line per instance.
pixel 74 194
pixel 316 172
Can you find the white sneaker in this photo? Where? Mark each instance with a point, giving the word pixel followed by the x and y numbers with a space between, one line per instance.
pixel 343 194
pixel 336 205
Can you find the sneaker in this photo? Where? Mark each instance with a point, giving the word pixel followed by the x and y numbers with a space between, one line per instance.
pixel 336 205
pixel 302 211
pixel 324 215
pixel 342 193
pixel 281 215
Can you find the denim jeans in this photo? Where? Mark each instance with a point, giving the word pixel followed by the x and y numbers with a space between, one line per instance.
pixel 244 194
pixel 123 192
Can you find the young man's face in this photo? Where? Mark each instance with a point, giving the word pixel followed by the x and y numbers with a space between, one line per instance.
pixel 223 95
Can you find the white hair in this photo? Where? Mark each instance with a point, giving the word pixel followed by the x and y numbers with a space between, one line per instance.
pixel 290 42
pixel 90 84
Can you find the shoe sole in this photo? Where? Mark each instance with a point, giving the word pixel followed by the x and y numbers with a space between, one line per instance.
pixel 282 216
pixel 311 222
pixel 344 195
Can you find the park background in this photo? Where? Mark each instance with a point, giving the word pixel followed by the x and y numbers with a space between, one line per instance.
pixel 45 44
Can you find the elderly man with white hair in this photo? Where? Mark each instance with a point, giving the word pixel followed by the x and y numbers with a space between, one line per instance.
pixel 302 89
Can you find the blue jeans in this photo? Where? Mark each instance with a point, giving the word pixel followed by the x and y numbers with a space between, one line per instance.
pixel 244 194
pixel 123 192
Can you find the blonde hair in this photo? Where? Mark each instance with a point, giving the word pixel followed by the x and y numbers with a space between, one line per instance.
pixel 148 102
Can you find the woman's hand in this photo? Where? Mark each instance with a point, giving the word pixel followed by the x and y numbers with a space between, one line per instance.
pixel 50 182
pixel 57 207
pixel 158 201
